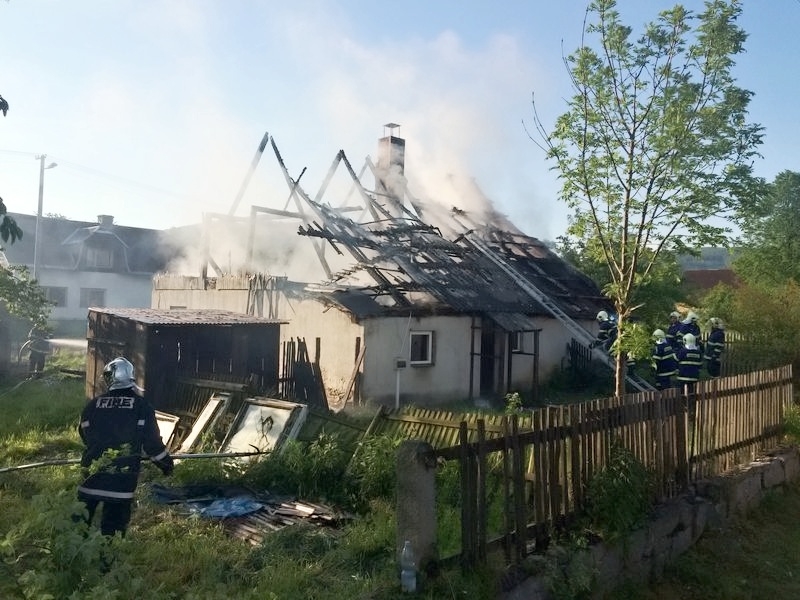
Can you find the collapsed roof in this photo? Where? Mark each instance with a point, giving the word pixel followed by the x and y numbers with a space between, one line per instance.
pixel 405 255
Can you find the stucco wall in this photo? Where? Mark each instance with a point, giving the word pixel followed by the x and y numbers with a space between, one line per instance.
pixel 447 379
pixel 122 291
pixel 223 299
pixel 386 339
pixel 338 336
pixel 553 340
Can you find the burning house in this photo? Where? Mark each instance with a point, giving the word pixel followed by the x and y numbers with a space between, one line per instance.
pixel 416 302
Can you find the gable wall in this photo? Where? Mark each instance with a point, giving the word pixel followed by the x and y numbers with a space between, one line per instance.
pixel 338 337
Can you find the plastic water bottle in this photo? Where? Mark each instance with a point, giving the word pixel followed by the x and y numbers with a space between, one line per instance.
pixel 408 568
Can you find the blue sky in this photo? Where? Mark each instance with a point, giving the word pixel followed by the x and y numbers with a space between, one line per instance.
pixel 154 109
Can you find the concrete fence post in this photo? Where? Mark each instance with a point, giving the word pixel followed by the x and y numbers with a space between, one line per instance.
pixel 416 501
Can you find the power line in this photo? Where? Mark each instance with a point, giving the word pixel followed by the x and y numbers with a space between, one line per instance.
pixel 98 173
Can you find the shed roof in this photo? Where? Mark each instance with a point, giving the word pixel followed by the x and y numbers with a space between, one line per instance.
pixel 185 316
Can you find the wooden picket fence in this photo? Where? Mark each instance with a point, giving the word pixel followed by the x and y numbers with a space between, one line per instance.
pixel 547 463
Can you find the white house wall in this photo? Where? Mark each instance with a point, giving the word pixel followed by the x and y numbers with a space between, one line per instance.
pixel 231 297
pixel 338 338
pixel 121 290
pixel 447 379
pixel 553 341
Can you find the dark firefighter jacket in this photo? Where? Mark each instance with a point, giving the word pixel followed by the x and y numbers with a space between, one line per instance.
pixel 117 428
pixel 689 362
pixel 715 344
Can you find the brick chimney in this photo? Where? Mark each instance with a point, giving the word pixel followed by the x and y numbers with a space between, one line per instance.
pixel 390 168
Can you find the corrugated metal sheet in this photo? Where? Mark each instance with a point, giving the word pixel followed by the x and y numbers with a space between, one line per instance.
pixel 185 316
pixel 513 321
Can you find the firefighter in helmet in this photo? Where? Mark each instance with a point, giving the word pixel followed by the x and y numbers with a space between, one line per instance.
pixel 118 428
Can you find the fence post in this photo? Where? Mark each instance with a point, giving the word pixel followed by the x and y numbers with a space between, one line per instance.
pixel 416 501
pixel 469 504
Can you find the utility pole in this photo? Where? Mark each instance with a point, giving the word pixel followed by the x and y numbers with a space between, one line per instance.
pixel 36 241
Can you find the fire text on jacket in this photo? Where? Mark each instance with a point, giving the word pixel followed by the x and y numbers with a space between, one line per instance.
pixel 115 402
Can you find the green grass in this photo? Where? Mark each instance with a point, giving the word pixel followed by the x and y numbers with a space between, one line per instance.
pixel 167 554
pixel 750 559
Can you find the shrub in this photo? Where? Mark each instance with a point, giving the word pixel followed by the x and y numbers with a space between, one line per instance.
pixel 619 496
pixel 372 470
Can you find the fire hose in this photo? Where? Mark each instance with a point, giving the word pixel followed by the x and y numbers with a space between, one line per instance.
pixel 75 461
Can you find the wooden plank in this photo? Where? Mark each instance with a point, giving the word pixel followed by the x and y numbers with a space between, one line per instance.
pixel 467 504
pixel 519 493
pixel 482 511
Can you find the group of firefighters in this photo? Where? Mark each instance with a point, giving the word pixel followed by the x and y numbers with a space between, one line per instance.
pixel 677 352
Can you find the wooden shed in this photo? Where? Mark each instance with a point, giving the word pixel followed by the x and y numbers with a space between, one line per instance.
pixel 166 346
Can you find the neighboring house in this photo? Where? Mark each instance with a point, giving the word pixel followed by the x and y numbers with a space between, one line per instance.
pixel 409 314
pixel 82 264
pixel 711 267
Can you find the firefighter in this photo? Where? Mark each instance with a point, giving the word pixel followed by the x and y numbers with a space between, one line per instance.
pixel 689 325
pixel 665 364
pixel 38 346
pixel 117 428
pixel 690 360
pixel 673 329
pixel 607 332
pixel 714 347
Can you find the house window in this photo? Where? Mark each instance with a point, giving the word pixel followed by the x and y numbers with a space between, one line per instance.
pixel 98 258
pixel 421 344
pixel 93 297
pixel 516 341
pixel 56 295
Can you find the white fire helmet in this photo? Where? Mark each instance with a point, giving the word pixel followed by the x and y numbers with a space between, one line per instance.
pixel 715 323
pixel 659 334
pixel 692 316
pixel 675 315
pixel 118 374
pixel 602 316
pixel 689 340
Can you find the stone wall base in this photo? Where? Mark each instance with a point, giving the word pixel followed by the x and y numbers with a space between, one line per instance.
pixel 676 525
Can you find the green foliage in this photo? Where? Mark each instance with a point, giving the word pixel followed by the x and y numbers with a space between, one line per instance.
pixel 656 292
pixel 720 302
pixel 324 469
pixel 22 296
pixel 208 471
pixel 771 253
pixel 167 555
pixel 769 318
pixel 307 469
pixel 568 570
pixel 654 142
pixel 620 495
pixel 372 472
pixel 791 423
pixel 57 557
pixel 513 403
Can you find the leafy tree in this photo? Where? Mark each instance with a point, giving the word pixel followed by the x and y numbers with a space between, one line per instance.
pixel 771 254
pixel 656 293
pixel 22 296
pixel 654 142
pixel 9 230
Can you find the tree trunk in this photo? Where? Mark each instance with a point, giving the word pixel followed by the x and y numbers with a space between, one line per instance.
pixel 620 368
